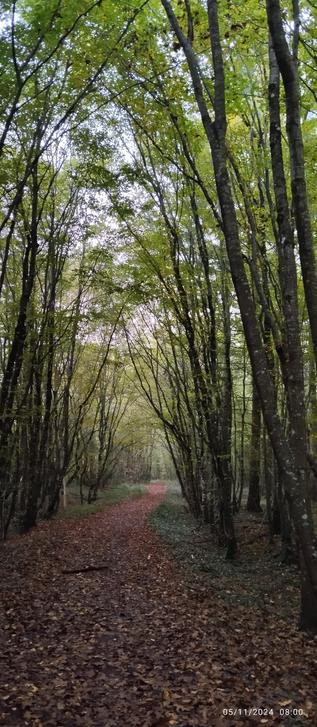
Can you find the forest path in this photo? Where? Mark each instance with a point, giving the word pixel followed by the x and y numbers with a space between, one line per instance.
pixel 137 644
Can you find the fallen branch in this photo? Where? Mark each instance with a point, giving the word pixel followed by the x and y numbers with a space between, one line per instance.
pixel 204 540
pixel 86 570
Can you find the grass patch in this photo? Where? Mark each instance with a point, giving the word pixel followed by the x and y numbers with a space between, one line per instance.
pixel 254 578
pixel 107 497
pixel 176 525
pixel 168 518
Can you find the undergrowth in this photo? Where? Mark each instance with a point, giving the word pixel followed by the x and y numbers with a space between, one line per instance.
pixel 256 577
pixel 174 523
pixel 110 496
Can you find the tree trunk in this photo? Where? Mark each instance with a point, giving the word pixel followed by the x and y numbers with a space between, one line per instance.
pixel 287 64
pixel 254 495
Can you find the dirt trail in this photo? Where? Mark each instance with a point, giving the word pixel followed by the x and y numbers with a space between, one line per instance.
pixel 136 644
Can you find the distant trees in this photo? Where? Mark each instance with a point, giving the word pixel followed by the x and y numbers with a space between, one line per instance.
pixel 54 426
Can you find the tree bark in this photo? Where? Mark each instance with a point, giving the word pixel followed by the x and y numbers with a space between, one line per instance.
pixel 254 495
pixel 287 64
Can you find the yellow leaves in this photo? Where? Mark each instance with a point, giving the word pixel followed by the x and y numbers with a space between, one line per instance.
pixel 236 124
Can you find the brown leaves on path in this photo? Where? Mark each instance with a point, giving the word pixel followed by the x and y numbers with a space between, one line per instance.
pixel 136 644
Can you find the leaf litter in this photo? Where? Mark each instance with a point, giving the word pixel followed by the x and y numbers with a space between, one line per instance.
pixel 136 643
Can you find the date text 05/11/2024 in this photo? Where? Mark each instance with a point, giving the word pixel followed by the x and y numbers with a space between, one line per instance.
pixel 262 712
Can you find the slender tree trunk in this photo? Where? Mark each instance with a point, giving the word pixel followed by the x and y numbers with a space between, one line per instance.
pixel 225 424
pixel 13 367
pixel 254 495
pixel 287 64
pixel 292 364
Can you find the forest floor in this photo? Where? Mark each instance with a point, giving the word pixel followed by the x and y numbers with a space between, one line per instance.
pixel 144 642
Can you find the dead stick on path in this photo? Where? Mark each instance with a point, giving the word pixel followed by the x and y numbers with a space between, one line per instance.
pixel 198 542
pixel 87 569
